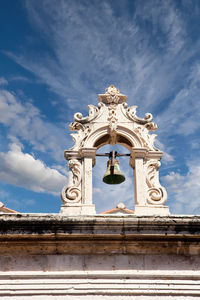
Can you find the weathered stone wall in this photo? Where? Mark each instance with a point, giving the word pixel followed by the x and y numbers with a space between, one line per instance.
pixel 109 257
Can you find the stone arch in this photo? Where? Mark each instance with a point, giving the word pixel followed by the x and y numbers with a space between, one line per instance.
pixel 113 122
pixel 124 136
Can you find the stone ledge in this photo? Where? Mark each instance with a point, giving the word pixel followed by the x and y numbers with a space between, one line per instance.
pixel 55 234
pixel 49 224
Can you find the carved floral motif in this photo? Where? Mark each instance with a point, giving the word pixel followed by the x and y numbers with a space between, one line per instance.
pixel 156 194
pixel 72 192
pixel 147 139
pixel 112 119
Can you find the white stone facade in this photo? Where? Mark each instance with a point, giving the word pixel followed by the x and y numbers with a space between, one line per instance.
pixel 113 122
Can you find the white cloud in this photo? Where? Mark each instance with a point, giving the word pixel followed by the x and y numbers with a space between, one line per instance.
pixel 22 169
pixel 24 121
pixel 3 81
pixel 62 169
pixel 184 190
pixel 167 157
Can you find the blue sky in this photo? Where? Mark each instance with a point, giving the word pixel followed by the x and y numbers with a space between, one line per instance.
pixel 56 56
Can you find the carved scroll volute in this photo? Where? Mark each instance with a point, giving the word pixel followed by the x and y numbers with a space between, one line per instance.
pixel 71 193
pixel 156 194
pixel 83 125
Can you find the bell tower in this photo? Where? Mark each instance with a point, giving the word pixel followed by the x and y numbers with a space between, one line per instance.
pixel 113 122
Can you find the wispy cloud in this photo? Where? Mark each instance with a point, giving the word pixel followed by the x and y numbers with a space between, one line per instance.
pixel 183 112
pixel 148 63
pixel 184 190
pixel 85 56
pixel 20 78
pixel 3 81
pixel 166 158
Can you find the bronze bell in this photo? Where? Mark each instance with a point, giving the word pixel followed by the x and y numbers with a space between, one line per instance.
pixel 113 173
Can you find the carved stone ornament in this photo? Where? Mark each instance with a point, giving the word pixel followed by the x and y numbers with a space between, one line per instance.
pixel 146 138
pixel 112 95
pixel 83 125
pixel 112 119
pixel 147 121
pixel 113 122
pixel 108 106
pixel 72 192
pixel 156 194
pixel 80 136
pixel 93 112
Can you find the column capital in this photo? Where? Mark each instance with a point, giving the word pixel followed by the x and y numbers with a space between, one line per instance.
pixel 154 155
pixel 139 152
pixel 70 154
pixel 88 152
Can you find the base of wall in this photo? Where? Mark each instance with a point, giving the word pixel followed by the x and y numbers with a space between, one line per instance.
pixel 100 285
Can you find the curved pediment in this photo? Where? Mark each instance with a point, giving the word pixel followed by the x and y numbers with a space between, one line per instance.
pixel 113 122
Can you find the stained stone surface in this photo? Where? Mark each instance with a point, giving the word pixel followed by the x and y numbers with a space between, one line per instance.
pixel 106 256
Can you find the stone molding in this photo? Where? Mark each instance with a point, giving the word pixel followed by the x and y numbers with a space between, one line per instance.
pixel 101 285
pixel 52 226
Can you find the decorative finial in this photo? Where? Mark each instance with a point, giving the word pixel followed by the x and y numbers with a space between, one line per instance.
pixel 121 205
pixel 112 95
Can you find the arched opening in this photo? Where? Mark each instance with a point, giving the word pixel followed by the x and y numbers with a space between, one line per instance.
pixel 106 139
pixel 105 196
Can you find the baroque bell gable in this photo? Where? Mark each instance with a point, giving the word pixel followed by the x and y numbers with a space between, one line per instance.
pixel 113 122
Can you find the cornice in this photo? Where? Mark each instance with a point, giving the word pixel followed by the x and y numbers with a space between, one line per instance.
pixel 102 224
pixel 33 234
